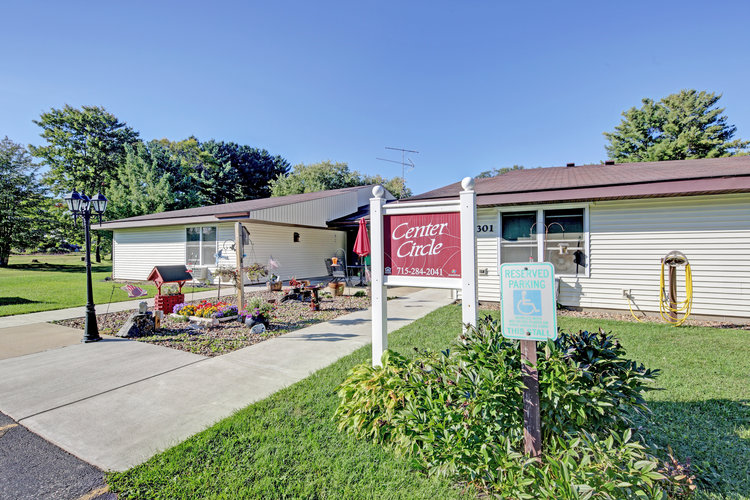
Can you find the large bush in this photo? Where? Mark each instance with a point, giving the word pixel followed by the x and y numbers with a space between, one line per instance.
pixel 460 414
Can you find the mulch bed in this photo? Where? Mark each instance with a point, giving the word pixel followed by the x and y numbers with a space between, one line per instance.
pixel 626 316
pixel 230 336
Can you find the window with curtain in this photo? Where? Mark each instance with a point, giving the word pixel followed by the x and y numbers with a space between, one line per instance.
pixel 200 246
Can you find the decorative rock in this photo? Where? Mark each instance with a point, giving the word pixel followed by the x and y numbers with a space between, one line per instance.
pixel 137 325
pixel 258 328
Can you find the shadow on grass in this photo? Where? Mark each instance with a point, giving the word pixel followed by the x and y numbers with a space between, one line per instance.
pixel 62 268
pixel 13 301
pixel 714 434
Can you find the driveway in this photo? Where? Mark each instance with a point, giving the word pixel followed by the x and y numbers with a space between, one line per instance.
pixel 116 403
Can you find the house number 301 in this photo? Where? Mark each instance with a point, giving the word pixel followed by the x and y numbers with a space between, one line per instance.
pixel 486 228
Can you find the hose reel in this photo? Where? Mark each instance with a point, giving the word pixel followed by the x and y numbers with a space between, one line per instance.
pixel 669 307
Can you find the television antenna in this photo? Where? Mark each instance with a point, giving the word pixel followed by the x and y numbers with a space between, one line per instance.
pixel 405 162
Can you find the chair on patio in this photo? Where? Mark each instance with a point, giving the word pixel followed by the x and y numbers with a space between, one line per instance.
pixel 339 270
pixel 329 263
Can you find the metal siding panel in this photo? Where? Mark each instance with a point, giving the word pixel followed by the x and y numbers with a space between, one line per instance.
pixel 311 213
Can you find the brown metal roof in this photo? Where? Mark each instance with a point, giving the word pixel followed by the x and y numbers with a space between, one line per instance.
pixel 237 209
pixel 623 180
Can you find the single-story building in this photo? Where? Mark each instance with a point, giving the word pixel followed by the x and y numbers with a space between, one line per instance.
pixel 299 231
pixel 605 228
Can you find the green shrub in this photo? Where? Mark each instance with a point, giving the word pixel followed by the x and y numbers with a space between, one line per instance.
pixel 460 413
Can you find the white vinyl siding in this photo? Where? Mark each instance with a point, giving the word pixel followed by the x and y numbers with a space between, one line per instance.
pixel 628 238
pixel 137 251
pixel 488 285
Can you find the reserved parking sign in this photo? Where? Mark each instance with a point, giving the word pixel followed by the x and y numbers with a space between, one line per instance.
pixel 527 296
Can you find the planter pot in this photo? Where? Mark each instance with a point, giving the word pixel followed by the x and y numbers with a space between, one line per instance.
pixel 274 287
pixel 166 303
pixel 204 321
pixel 336 288
pixel 251 322
pixel 227 318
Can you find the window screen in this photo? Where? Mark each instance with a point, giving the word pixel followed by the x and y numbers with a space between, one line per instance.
pixel 193 246
pixel 208 246
pixel 200 246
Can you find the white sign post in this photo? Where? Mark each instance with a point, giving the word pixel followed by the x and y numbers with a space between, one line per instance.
pixel 529 314
pixel 414 275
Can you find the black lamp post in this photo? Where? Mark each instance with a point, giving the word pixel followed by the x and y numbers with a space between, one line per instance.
pixel 80 204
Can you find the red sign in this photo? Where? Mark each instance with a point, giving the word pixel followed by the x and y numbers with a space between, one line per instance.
pixel 423 245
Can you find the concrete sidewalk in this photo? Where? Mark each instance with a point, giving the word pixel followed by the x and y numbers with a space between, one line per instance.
pixel 116 403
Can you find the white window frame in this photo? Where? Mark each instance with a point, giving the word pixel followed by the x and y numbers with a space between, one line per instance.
pixel 541 251
pixel 200 246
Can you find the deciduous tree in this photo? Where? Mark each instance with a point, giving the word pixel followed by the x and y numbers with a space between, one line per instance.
pixel 83 149
pixel 329 175
pixel 497 171
pixel 21 198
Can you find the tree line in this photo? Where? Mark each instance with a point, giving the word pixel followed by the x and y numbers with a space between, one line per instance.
pixel 90 150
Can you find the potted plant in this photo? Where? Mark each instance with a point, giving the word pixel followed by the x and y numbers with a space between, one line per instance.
pixel 274 283
pixel 256 271
pixel 296 285
pixel 258 311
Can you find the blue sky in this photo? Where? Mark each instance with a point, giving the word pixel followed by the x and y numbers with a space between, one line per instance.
pixel 470 85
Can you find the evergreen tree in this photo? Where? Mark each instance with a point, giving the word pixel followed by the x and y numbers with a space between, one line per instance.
pixel 680 126
pixel 143 185
pixel 250 171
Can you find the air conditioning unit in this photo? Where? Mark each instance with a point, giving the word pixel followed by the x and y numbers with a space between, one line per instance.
pixel 200 273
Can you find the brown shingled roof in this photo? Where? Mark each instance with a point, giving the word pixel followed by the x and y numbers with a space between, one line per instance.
pixel 623 180
pixel 236 209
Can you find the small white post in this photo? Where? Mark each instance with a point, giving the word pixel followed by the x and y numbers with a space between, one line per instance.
pixel 468 202
pixel 238 251
pixel 379 296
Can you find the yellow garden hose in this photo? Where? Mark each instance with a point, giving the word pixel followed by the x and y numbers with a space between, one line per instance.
pixel 675 259
pixel 684 307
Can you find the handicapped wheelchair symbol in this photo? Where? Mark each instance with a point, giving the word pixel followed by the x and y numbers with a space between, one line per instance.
pixel 527 302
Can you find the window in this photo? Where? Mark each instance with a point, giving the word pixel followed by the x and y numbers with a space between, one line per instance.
pixel 564 237
pixel 518 242
pixel 200 246
pixel 558 235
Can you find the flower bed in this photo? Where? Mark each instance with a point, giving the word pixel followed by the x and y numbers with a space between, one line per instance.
pixel 228 335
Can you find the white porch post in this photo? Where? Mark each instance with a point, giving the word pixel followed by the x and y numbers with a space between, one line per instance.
pixel 467 199
pixel 379 300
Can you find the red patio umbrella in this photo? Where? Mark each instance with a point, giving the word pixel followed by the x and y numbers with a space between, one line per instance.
pixel 362 245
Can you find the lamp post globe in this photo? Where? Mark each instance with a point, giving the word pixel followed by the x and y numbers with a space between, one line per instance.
pixel 99 204
pixel 80 204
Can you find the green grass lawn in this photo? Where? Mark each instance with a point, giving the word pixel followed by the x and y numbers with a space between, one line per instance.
pixel 56 282
pixel 287 446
